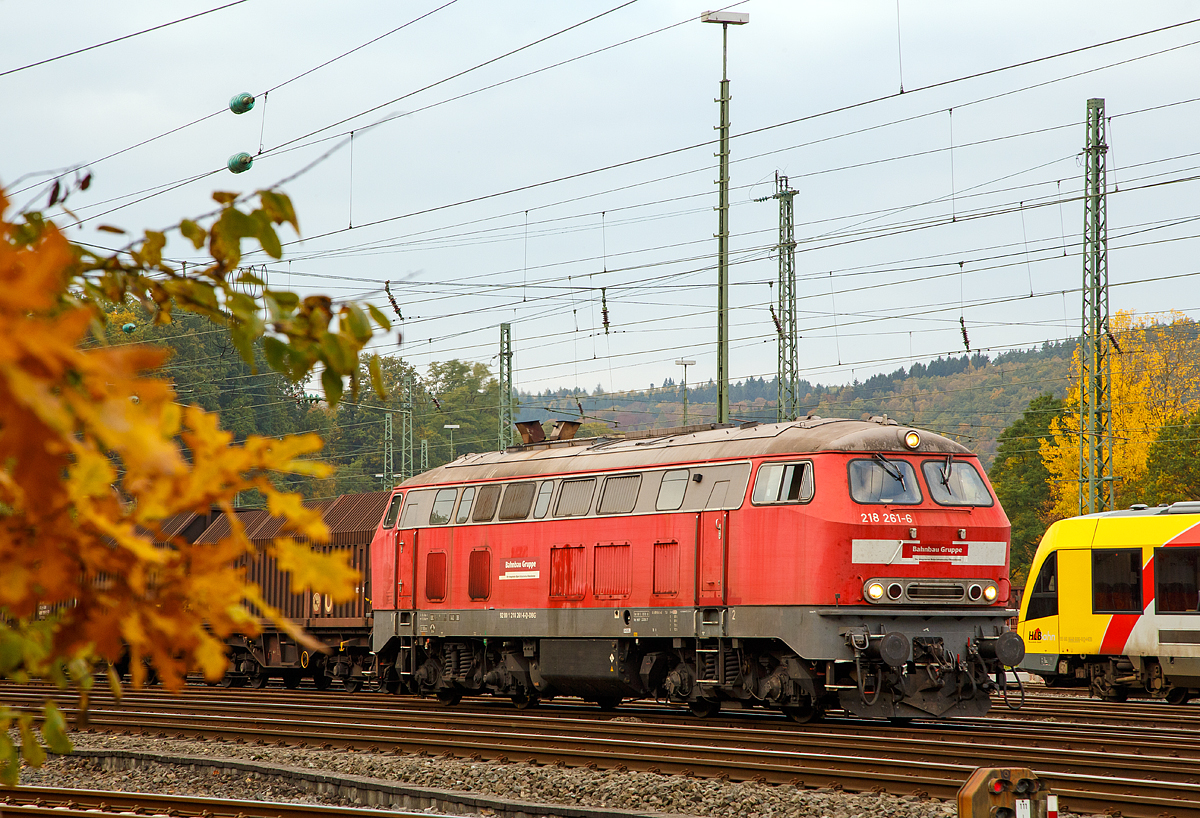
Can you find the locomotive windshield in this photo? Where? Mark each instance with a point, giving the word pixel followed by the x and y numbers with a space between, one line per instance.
pixel 955 483
pixel 884 481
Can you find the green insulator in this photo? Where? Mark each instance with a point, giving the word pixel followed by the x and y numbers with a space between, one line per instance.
pixel 128 328
pixel 240 162
pixel 241 103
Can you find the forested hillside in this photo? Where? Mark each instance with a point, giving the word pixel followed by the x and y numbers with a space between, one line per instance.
pixel 971 398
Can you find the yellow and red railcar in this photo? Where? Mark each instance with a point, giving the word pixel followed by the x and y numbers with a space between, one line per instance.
pixel 1114 603
pixel 796 566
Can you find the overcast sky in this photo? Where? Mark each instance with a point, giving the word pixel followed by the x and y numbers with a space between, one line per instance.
pixel 540 200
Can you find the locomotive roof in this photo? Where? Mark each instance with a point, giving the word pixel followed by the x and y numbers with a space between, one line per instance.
pixel 689 446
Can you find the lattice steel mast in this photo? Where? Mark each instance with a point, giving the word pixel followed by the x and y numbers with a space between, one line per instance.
pixel 786 408
pixel 406 430
pixel 1095 370
pixel 505 437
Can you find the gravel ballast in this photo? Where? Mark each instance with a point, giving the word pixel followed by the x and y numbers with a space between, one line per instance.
pixel 520 784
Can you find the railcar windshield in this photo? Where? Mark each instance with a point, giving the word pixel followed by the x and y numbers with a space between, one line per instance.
pixel 884 480
pixel 955 483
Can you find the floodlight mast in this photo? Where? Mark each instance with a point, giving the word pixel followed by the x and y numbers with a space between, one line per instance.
pixel 726 19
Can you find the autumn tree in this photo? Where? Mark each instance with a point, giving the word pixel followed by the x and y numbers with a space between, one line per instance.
pixel 1021 480
pixel 96 451
pixel 1155 381
pixel 1173 463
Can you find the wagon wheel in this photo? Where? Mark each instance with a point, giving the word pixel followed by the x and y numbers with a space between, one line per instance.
pixel 1116 694
pixel 352 684
pixel 257 679
pixel 449 698
pixel 704 708
pixel 1178 695
pixel 608 702
pixel 524 701
pixel 804 713
pixel 291 679
pixel 321 680
pixel 225 681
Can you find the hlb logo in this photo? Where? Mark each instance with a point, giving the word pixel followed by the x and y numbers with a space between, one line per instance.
pixel 1035 635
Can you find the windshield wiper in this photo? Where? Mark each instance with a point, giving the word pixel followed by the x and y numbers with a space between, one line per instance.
pixel 946 469
pixel 891 469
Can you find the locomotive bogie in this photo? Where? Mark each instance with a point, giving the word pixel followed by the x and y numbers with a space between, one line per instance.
pixel 1112 604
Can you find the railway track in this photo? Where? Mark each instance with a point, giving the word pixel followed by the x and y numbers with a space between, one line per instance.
pixel 1096 763
pixel 45 802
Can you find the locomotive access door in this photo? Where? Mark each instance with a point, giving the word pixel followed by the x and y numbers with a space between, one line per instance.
pixel 406 552
pixel 711 542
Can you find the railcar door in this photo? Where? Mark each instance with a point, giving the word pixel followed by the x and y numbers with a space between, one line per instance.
pixel 712 541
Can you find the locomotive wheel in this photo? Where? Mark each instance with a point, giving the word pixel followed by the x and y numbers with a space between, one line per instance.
pixel 1178 695
pixel 449 698
pixel 608 702
pixel 803 714
pixel 225 681
pixel 523 701
pixel 704 708
pixel 1117 694
pixel 322 681
pixel 352 684
pixel 291 679
pixel 391 685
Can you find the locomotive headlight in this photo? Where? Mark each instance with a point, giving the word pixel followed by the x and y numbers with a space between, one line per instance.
pixel 912 438
pixel 875 591
pixel 989 593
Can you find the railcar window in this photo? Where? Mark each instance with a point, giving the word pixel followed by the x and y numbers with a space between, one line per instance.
pixel 955 483
pixel 881 480
pixel 464 505
pixel 543 499
pixel 1177 573
pixel 1117 580
pixel 783 483
pixel 485 504
pixel 671 490
pixel 443 504
pixel 393 511
pixel 575 497
pixel 620 493
pixel 518 498
pixel 1043 599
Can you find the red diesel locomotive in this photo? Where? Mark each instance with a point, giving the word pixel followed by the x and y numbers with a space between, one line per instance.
pixel 795 566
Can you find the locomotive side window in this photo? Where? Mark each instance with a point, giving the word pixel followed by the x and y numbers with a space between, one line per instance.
pixel 671 490
pixel 619 494
pixel 479 574
pixel 1177 573
pixel 783 483
pixel 464 505
pixel 543 499
pixel 485 504
pixel 518 498
pixel 884 480
pixel 575 497
pixel 443 504
pixel 393 511
pixel 1043 598
pixel 412 507
pixel 955 483
pixel 1117 580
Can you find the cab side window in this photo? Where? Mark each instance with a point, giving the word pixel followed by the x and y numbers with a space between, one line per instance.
pixel 1043 598
pixel 393 511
